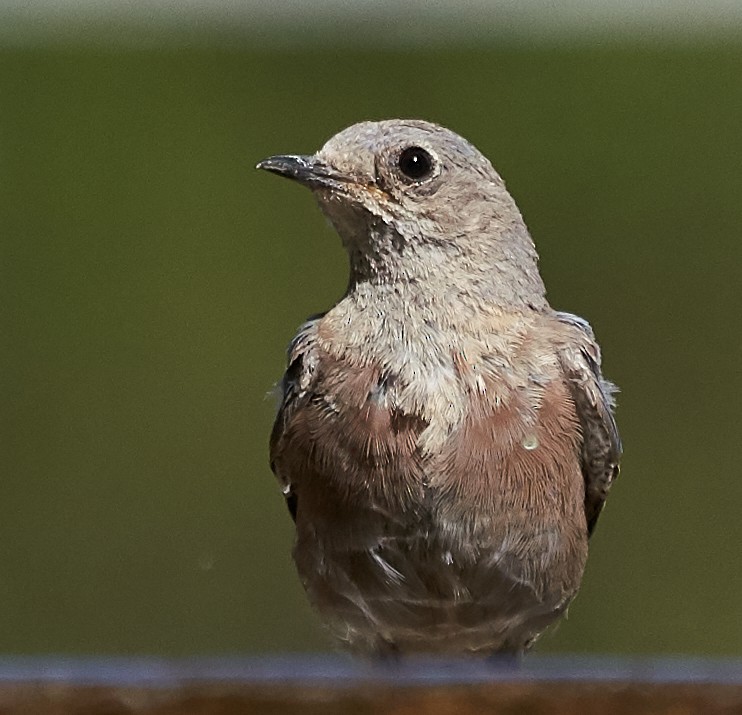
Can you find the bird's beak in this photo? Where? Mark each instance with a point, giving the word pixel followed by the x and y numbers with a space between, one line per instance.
pixel 304 169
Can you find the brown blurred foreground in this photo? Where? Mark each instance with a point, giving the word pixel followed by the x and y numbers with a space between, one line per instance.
pixel 328 685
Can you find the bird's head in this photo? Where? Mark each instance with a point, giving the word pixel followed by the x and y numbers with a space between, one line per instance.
pixel 411 195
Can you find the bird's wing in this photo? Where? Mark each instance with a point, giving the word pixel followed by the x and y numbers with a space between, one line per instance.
pixel 594 400
pixel 292 390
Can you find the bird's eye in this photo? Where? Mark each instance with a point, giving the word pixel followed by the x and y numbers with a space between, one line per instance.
pixel 415 163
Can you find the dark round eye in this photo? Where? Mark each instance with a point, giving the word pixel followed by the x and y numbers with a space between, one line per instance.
pixel 415 163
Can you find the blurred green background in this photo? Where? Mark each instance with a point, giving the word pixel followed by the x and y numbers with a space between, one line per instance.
pixel 150 279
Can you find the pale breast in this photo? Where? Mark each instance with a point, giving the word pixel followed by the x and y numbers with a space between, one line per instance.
pixel 429 528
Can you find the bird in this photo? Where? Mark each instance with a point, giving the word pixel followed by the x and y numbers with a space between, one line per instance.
pixel 445 439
